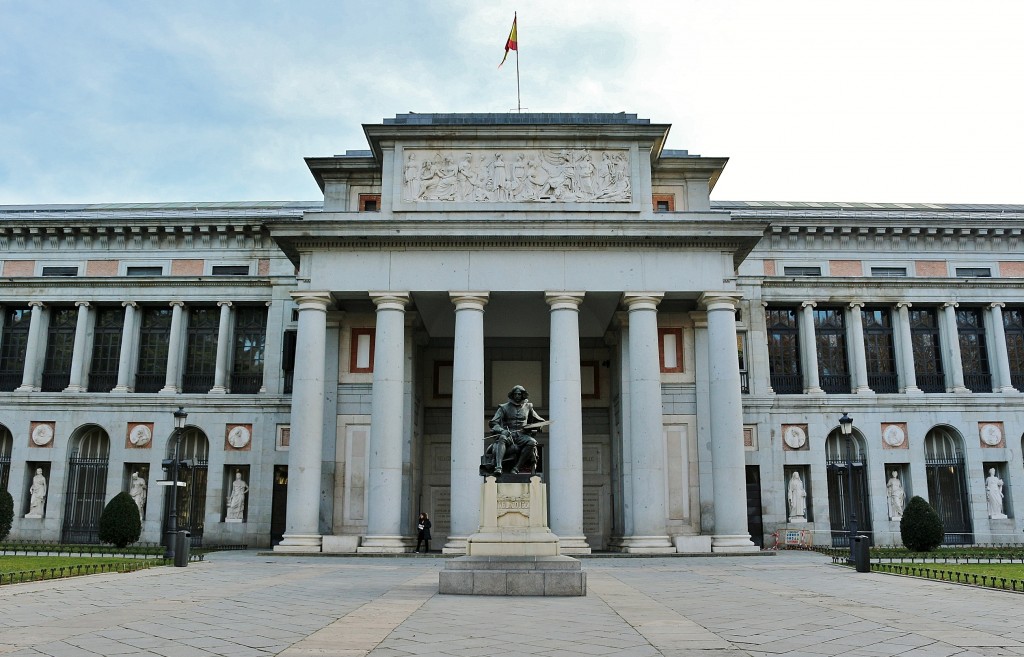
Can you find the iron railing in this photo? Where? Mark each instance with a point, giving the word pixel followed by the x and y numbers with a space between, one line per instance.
pixel 149 382
pixel 787 384
pixel 883 382
pixel 978 382
pixel 102 382
pixel 246 384
pixel 931 382
pixel 197 383
pixel 836 384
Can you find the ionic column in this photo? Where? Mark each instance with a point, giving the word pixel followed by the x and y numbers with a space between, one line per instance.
pixel 565 448
pixel 125 360
pixel 305 453
pixel 467 418
pixel 860 363
pixel 220 374
pixel 727 458
pixel 812 384
pixel 78 353
pixel 172 380
pixel 954 361
pixel 1004 383
pixel 30 373
pixel 384 498
pixel 647 440
pixel 906 349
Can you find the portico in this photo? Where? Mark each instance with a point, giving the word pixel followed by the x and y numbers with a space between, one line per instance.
pixel 545 267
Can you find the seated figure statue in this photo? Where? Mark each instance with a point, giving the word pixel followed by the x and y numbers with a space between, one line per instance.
pixel 513 426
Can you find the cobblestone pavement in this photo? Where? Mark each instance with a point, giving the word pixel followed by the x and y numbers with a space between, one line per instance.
pixel 242 604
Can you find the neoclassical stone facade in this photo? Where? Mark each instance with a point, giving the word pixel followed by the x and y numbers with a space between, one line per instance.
pixel 342 357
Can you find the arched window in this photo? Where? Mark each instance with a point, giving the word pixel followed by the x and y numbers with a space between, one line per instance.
pixel 847 492
pixel 947 485
pixel 85 493
pixel 191 503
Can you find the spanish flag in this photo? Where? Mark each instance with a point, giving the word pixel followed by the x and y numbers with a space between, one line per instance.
pixel 511 43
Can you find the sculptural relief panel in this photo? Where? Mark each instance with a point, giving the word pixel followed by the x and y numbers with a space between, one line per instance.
pixel 567 175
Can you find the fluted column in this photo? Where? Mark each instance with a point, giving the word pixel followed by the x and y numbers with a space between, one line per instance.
pixel 172 380
pixel 812 384
pixel 860 362
pixel 727 459
pixel 220 374
pixel 647 439
pixel 565 448
pixel 125 358
pixel 955 380
pixel 78 352
pixel 305 453
pixel 906 349
pixel 467 418
pixel 384 499
pixel 1004 383
pixel 30 373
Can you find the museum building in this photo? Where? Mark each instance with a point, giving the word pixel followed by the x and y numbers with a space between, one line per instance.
pixel 339 360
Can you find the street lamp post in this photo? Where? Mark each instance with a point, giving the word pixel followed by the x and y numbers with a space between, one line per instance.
pixel 846 428
pixel 172 517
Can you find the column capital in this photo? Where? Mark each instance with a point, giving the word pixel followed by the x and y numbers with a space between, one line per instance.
pixel 129 304
pixel 699 318
pixel 997 304
pixel 307 300
pixel 856 304
pixel 390 300
pixel 951 304
pixel 564 300
pixel 808 304
pixel 82 304
pixel 36 304
pixel 180 304
pixel 469 300
pixel 221 304
pixel 720 300
pixel 642 300
pixel 904 304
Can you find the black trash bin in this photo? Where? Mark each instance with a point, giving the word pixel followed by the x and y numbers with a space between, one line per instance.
pixel 182 543
pixel 861 553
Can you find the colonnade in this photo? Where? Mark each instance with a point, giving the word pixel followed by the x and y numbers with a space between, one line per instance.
pixel 643 433
pixel 950 343
pixel 128 356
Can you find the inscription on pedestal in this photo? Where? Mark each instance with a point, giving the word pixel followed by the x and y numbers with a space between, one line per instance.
pixel 592 510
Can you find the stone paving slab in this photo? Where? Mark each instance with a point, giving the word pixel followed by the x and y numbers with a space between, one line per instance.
pixel 243 604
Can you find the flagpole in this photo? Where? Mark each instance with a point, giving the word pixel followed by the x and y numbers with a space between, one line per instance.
pixel 519 100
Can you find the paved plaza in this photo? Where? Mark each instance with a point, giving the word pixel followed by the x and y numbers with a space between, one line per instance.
pixel 242 604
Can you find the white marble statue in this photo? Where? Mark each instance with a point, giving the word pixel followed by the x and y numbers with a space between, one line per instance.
pixel 994 495
pixel 896 496
pixel 236 499
pixel 797 496
pixel 137 489
pixel 37 495
pixel 533 175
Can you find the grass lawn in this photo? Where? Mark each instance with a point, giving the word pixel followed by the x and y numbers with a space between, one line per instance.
pixel 39 567
pixel 1007 570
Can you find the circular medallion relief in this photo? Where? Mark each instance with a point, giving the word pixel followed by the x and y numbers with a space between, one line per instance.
pixel 140 435
pixel 238 437
pixel 991 435
pixel 894 435
pixel 42 434
pixel 795 437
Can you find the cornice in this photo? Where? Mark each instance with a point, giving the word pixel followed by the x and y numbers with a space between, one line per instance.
pixel 86 234
pixel 132 282
pixel 894 238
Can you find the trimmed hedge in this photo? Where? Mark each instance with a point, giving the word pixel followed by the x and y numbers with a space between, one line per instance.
pixel 119 522
pixel 6 513
pixel 921 528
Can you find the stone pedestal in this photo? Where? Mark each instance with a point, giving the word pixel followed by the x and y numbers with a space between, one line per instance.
pixel 514 552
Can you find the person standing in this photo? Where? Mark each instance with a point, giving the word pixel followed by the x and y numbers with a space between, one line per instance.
pixel 423 533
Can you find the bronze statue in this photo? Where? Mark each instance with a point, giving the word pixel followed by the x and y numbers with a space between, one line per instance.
pixel 513 427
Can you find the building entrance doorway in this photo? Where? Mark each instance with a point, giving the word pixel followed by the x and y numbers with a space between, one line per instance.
pixel 840 492
pixel 86 486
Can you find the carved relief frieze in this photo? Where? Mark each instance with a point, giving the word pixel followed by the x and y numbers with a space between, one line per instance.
pixel 577 175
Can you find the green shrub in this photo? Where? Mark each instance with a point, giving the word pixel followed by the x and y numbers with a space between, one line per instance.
pixel 921 528
pixel 6 513
pixel 119 522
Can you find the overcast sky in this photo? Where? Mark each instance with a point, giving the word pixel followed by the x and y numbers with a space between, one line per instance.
pixel 146 100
